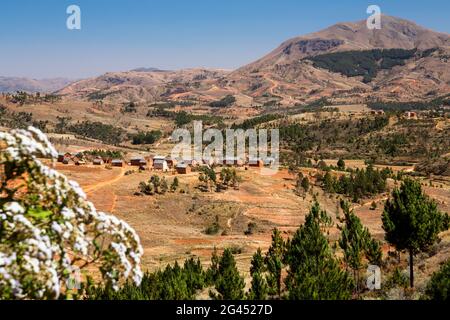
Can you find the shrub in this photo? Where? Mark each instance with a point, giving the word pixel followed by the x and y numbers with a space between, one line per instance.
pixel 439 286
pixel 51 229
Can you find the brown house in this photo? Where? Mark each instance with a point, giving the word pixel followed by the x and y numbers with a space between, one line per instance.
pixel 171 163
pixel 117 163
pixel 138 162
pixel 79 162
pixel 61 156
pixel 256 163
pixel 97 161
pixel 233 162
pixel 183 168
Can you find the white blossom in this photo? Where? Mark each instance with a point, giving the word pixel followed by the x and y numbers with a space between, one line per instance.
pixel 48 246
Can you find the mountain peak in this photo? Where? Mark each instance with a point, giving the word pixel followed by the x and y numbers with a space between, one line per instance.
pixel 346 36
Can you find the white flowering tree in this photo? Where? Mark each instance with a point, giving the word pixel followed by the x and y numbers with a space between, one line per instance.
pixel 48 228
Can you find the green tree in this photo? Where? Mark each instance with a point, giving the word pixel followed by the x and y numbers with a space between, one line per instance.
pixel 274 263
pixel 208 177
pixel 329 183
pixel 156 182
pixel 164 185
pixel 305 184
pixel 412 221
pixel 213 270
pixel 259 288
pixel 314 273
pixel 229 284
pixel 175 184
pixel 341 164
pixel 439 286
pixel 356 242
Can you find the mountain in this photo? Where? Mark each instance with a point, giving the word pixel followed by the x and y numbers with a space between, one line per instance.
pixel 288 73
pixel 394 33
pixel 345 62
pixel 12 84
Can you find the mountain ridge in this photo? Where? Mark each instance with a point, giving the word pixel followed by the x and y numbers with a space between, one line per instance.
pixel 287 77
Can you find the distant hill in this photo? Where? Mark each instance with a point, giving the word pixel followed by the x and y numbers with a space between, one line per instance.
pixel 13 84
pixel 149 70
pixel 139 85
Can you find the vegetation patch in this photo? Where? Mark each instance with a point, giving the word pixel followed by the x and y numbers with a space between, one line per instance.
pixel 362 63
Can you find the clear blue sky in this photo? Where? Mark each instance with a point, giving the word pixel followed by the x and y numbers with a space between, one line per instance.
pixel 125 34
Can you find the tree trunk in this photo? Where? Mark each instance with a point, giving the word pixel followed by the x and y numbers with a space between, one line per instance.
pixel 411 268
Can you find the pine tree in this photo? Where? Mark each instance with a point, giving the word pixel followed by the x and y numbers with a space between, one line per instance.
pixel 329 183
pixel 305 184
pixel 174 185
pixel 164 186
pixel 341 164
pixel 229 284
pixel 439 286
pixel 156 182
pixel 259 289
pixel 373 252
pixel 213 271
pixel 412 221
pixel 274 263
pixel 257 263
pixel 314 273
pixel 356 242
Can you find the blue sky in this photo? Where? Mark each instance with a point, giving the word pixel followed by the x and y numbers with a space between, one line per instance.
pixel 171 34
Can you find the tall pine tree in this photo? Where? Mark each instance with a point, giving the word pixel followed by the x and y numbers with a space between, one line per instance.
pixel 274 263
pixel 356 242
pixel 229 284
pixel 314 273
pixel 412 221
pixel 259 289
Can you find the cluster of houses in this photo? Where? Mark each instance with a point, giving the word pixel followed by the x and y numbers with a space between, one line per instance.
pixel 80 159
pixel 67 158
pixel 165 164
pixel 185 166
pixel 406 114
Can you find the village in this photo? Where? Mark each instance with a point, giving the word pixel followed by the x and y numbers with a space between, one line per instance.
pixel 164 164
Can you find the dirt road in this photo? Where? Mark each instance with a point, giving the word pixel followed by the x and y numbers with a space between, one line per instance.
pixel 102 184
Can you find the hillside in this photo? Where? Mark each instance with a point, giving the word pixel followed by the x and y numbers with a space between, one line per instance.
pixel 142 85
pixel 285 71
pixel 289 75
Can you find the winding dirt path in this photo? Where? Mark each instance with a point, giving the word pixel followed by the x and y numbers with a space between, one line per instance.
pixel 102 184
pixel 95 187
